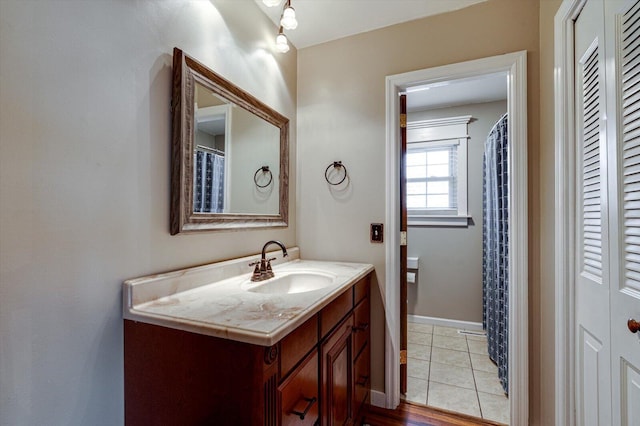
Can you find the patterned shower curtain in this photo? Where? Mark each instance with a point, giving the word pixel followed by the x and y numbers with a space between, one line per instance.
pixel 495 256
pixel 208 183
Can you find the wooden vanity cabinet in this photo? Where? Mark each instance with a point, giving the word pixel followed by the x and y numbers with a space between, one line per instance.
pixel 317 375
pixel 174 377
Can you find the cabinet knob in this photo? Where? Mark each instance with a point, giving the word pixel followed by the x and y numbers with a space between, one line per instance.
pixel 362 381
pixel 634 326
pixel 360 327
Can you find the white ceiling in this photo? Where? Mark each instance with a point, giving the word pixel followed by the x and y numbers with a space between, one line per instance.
pixel 320 21
pixel 466 91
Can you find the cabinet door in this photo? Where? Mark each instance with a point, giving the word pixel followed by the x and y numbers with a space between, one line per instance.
pixel 337 376
pixel 299 394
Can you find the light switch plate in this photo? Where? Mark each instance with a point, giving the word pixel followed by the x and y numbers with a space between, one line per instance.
pixel 377 232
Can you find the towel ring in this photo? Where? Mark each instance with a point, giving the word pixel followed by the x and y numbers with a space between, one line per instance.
pixel 335 165
pixel 264 170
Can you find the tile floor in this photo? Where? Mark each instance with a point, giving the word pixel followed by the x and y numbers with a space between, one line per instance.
pixel 453 371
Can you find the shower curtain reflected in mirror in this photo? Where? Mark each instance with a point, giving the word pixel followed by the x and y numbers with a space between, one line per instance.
pixel 208 182
pixel 495 255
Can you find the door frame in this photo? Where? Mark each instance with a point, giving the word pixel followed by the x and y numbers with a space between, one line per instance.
pixel 565 252
pixel 515 66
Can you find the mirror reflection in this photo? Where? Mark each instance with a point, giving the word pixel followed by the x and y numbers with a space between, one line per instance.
pixel 232 146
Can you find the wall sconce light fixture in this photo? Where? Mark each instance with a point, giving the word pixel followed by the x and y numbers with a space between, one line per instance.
pixel 288 21
pixel 282 43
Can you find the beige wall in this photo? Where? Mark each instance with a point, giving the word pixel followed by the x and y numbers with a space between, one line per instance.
pixel 85 88
pixel 543 294
pixel 449 280
pixel 341 116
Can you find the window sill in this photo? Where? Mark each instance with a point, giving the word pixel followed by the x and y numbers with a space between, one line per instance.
pixel 439 220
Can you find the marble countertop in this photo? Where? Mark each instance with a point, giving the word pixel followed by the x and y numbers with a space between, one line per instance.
pixel 212 300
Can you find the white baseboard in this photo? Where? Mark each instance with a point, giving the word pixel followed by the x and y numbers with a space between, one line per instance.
pixel 378 399
pixel 464 325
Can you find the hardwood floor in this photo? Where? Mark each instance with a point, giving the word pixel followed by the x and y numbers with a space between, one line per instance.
pixel 408 414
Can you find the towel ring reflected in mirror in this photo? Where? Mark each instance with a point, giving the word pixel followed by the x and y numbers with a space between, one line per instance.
pixel 265 170
pixel 336 165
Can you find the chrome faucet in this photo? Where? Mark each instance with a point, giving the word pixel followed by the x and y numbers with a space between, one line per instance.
pixel 263 269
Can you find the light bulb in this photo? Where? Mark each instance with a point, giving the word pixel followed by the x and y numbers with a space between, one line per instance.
pixel 271 3
pixel 288 20
pixel 282 45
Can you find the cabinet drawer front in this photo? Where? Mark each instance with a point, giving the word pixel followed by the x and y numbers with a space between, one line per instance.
pixel 361 325
pixel 335 311
pixel 361 289
pixel 299 394
pixel 297 344
pixel 361 378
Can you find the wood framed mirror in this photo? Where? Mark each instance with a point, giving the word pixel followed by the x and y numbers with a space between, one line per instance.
pixel 229 155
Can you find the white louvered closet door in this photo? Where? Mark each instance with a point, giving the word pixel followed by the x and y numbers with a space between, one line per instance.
pixel 593 378
pixel 607 288
pixel 622 32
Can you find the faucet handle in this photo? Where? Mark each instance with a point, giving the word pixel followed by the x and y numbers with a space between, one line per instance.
pixel 268 272
pixel 256 271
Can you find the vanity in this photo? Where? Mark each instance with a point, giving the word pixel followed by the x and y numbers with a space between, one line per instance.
pixel 207 346
pixel 210 346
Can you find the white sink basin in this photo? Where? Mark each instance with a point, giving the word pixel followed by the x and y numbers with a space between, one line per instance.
pixel 292 282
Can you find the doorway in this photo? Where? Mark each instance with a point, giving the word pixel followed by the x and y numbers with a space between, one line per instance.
pixel 456 178
pixel 514 67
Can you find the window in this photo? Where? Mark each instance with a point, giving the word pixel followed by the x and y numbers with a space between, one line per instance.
pixel 436 172
pixel 432 175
